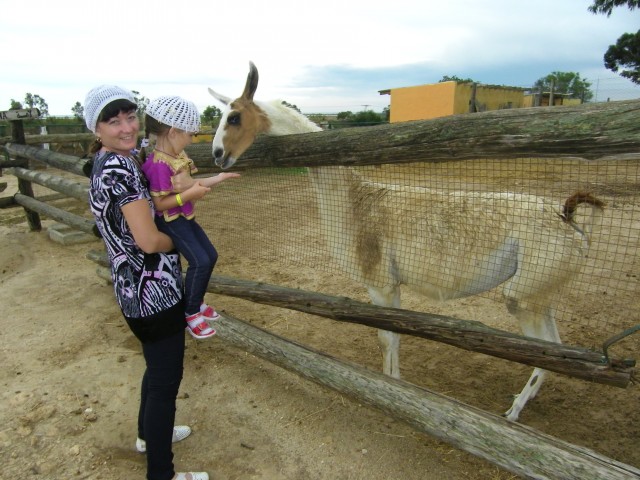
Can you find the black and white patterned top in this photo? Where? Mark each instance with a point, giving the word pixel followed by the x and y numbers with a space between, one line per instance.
pixel 144 284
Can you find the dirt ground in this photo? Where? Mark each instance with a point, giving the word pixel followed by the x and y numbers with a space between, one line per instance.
pixel 71 372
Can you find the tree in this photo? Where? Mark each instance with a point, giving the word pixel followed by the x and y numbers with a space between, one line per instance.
pixel 607 6
pixel 36 101
pixel 211 116
pixel 141 101
pixel 367 117
pixel 358 119
pixel 455 78
pixel 624 56
pixel 15 105
pixel 566 83
pixel 386 113
pixel 78 111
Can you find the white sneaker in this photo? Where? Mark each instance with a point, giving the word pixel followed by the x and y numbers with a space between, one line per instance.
pixel 191 476
pixel 180 432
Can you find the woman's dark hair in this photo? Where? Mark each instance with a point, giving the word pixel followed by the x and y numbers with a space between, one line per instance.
pixel 111 110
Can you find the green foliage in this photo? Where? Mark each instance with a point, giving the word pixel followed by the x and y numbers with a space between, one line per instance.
pixel 607 6
pixel 360 119
pixel 624 56
pixel 141 101
pixel 15 105
pixel 78 111
pixel 36 101
pixel 566 83
pixel 454 78
pixel 386 113
pixel 211 116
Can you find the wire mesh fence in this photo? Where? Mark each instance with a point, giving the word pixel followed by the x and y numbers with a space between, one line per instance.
pixel 489 229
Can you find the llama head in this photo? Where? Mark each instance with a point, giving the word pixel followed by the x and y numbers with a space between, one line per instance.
pixel 242 120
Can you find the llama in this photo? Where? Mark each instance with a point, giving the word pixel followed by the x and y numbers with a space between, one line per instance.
pixel 521 242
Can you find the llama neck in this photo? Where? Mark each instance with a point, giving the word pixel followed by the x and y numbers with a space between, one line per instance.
pixel 328 182
pixel 285 120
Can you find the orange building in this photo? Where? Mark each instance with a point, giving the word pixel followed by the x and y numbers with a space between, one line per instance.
pixel 434 100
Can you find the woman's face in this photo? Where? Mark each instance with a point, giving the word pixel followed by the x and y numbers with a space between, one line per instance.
pixel 119 134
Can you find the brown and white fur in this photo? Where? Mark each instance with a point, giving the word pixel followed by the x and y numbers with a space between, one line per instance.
pixel 444 245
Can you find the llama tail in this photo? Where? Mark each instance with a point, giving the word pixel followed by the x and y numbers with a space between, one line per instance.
pixel 569 210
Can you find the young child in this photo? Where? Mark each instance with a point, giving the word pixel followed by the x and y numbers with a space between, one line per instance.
pixel 174 121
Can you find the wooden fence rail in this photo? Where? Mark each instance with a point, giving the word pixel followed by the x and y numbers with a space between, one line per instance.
pixel 588 131
pixel 469 335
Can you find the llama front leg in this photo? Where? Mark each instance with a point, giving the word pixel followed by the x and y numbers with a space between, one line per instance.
pixel 389 342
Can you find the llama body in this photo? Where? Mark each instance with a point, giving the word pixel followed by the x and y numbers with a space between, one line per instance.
pixel 442 244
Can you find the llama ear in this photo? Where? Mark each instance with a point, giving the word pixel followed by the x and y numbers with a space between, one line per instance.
pixel 220 98
pixel 252 82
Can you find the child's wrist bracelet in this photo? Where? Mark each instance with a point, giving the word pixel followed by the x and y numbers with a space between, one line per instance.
pixel 179 200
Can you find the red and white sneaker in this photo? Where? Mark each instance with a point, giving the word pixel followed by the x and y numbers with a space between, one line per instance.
pixel 198 327
pixel 209 312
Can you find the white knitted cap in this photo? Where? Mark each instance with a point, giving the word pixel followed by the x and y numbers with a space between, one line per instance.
pixel 175 112
pixel 100 97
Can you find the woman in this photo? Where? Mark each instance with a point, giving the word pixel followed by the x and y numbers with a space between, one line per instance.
pixel 146 272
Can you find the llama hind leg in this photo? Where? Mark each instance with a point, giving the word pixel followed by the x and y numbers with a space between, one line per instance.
pixel 390 346
pixel 542 326
pixel 389 342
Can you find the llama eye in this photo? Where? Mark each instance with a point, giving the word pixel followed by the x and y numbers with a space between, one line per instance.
pixel 234 119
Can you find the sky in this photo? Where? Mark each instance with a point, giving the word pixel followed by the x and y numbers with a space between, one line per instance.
pixel 324 57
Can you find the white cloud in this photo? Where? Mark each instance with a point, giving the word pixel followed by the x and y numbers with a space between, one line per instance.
pixel 325 56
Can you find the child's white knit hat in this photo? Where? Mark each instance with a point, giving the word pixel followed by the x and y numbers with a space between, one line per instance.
pixel 100 97
pixel 175 112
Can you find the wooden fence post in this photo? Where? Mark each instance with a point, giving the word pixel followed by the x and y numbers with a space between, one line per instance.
pixel 17 136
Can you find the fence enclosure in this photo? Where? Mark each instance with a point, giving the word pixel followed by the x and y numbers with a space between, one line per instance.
pixel 562 149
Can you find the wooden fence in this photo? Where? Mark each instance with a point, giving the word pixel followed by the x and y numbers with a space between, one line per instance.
pixel 589 131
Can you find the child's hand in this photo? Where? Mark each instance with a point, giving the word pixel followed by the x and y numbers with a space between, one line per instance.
pixel 225 175
pixel 197 191
pixel 181 181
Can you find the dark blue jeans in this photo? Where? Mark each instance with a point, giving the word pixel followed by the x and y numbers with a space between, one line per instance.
pixel 160 385
pixel 194 245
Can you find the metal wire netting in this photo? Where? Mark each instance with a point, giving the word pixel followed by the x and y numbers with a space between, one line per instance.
pixel 487 228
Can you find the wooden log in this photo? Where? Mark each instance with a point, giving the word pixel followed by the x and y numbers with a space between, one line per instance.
pixel 469 335
pixel 33 219
pixel 25 187
pixel 514 447
pixel 60 138
pixel 61 161
pixel 7 202
pixel 75 221
pixel 589 131
pixel 9 162
pixel 54 182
